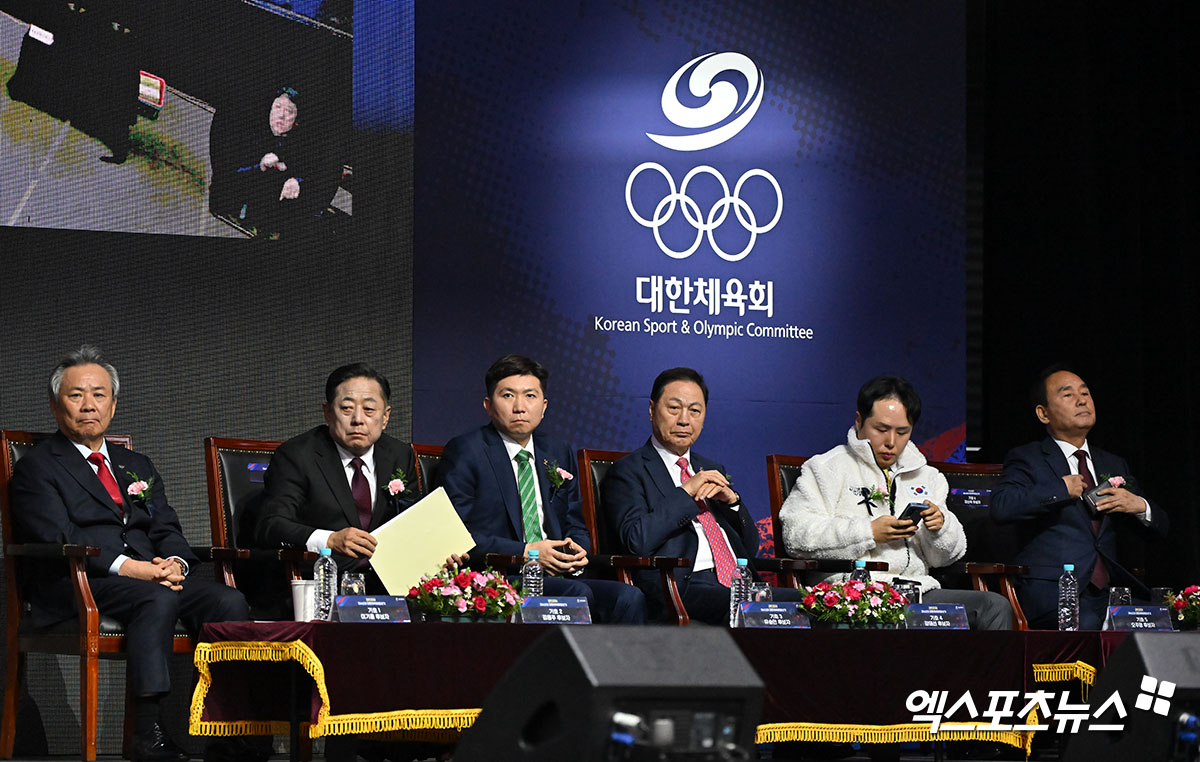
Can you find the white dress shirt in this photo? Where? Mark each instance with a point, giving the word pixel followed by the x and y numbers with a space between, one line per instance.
pixel 704 556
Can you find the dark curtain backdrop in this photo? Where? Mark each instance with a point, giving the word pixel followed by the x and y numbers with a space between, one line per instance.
pixel 1090 208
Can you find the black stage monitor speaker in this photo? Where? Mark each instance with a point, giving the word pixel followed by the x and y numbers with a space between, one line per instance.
pixel 1158 677
pixel 590 693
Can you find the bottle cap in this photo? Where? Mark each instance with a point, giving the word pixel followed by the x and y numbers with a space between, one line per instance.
pixel 741 562
pixel 1068 567
pixel 327 551
pixel 533 553
pixel 860 564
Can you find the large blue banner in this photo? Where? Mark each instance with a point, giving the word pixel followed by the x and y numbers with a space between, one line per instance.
pixel 769 192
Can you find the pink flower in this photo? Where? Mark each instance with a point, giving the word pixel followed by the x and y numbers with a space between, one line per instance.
pixel 875 600
pixel 461 605
pixel 564 473
pixel 509 598
pixel 396 486
pixel 450 591
pixel 137 488
pixel 478 579
pixel 1116 481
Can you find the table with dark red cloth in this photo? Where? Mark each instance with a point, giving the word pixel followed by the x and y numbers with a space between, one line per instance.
pixel 433 677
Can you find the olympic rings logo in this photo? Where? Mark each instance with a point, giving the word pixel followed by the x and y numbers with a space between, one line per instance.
pixel 691 210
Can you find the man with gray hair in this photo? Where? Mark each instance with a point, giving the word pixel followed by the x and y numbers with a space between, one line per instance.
pixel 77 488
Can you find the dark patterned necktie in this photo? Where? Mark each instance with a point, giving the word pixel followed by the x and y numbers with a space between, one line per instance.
pixel 1099 571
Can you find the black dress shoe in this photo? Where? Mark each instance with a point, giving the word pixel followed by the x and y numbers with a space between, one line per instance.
pixel 155 746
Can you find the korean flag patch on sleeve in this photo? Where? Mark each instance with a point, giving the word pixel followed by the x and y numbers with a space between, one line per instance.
pixel 919 491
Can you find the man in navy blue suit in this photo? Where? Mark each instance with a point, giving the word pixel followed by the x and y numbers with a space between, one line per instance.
pixel 515 492
pixel 666 500
pixel 1041 491
pixel 77 488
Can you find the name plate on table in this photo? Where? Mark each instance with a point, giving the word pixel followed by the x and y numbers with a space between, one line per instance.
pixel 1138 618
pixel 546 610
pixel 777 615
pixel 936 616
pixel 372 608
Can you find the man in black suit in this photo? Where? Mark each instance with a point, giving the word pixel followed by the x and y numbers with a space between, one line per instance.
pixel 484 471
pixel 666 500
pixel 1041 491
pixel 77 488
pixel 332 485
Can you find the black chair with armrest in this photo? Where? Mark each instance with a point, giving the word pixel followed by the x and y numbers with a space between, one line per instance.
pixel 235 470
pixel 91 636
pixel 427 458
pixel 971 486
pixel 593 466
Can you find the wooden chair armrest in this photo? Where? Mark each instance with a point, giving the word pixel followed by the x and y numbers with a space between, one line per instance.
pixel 986 567
pixel 841 565
pixel 504 561
pixel 291 555
pixel 51 550
pixel 668 562
pixel 220 553
pixel 619 562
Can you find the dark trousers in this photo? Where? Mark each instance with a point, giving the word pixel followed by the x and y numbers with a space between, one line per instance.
pixel 149 612
pixel 985 610
pixel 610 602
pixel 707 600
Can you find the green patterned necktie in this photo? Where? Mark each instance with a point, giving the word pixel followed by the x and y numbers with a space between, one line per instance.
pixel 529 509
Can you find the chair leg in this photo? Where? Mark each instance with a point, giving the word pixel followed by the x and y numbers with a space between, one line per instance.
pixel 89 696
pixel 15 664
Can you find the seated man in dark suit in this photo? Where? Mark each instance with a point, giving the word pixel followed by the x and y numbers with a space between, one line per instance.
pixel 329 487
pixel 1041 491
pixel 511 486
pixel 666 500
pixel 77 488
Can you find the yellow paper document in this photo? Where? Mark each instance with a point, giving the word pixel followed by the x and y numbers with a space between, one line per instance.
pixel 418 542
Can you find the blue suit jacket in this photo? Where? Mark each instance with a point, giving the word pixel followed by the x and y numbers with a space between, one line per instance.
pixel 478 476
pixel 57 498
pixel 653 517
pixel 1055 528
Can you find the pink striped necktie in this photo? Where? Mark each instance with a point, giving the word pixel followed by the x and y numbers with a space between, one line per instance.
pixel 722 558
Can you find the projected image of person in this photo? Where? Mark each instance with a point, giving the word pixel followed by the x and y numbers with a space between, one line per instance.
pixel 271 172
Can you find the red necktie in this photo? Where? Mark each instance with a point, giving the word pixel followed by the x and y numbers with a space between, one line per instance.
pixel 106 478
pixel 362 494
pixel 722 558
pixel 1099 571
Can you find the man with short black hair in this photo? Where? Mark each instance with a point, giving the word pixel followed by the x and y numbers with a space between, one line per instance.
pixel 515 490
pixel 847 502
pixel 1041 493
pixel 666 500
pixel 77 488
pixel 329 487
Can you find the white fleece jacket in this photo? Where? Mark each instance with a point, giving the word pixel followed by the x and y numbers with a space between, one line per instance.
pixel 825 516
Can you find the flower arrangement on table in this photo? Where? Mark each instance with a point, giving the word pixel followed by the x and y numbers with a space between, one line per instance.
pixel 1185 606
pixel 854 602
pixel 458 592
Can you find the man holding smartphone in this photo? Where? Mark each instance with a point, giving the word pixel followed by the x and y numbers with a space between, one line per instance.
pixel 877 499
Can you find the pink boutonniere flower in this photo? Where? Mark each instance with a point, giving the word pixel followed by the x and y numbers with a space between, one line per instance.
pixel 140 488
pixel 1116 481
pixel 397 483
pixel 556 474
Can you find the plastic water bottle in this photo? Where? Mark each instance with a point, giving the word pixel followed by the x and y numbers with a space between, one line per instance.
pixel 860 572
pixel 531 576
pixel 325 574
pixel 1068 599
pixel 739 591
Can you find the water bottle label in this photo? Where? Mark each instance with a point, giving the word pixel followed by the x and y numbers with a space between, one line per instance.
pixel 776 615
pixel 1138 618
pixel 372 608
pixel 936 616
pixel 552 610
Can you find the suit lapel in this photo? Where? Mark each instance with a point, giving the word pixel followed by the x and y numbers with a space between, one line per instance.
pixel 385 464
pixel 329 461
pixel 541 453
pixel 80 470
pixel 505 479
pixel 657 470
